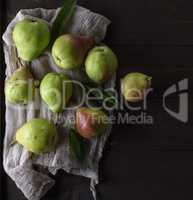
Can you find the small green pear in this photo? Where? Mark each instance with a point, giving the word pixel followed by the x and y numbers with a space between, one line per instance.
pixel 19 88
pixel 56 91
pixel 134 86
pixel 69 51
pixel 31 37
pixel 101 63
pixel 37 136
pixel 90 122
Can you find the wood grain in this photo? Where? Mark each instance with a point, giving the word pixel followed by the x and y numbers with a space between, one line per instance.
pixel 140 161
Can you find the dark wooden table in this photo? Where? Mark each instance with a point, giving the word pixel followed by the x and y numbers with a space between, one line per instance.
pixel 148 162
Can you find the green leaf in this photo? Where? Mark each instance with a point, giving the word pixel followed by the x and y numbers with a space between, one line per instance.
pixel 62 19
pixel 79 148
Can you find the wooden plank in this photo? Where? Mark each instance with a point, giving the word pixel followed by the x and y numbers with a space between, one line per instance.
pixel 140 161
pixel 134 22
pixel 167 56
pixel 147 21
pixel 146 175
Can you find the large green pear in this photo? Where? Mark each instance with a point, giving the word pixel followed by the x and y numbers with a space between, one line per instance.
pixel 31 37
pixel 101 63
pixel 37 136
pixel 56 90
pixel 19 88
pixel 69 51
pixel 134 86
pixel 90 122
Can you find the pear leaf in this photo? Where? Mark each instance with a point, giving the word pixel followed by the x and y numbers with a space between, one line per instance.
pixel 62 19
pixel 79 147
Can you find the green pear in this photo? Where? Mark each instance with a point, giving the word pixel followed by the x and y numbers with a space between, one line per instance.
pixel 37 136
pixel 134 86
pixel 100 64
pixel 19 88
pixel 31 37
pixel 90 122
pixel 69 51
pixel 56 91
